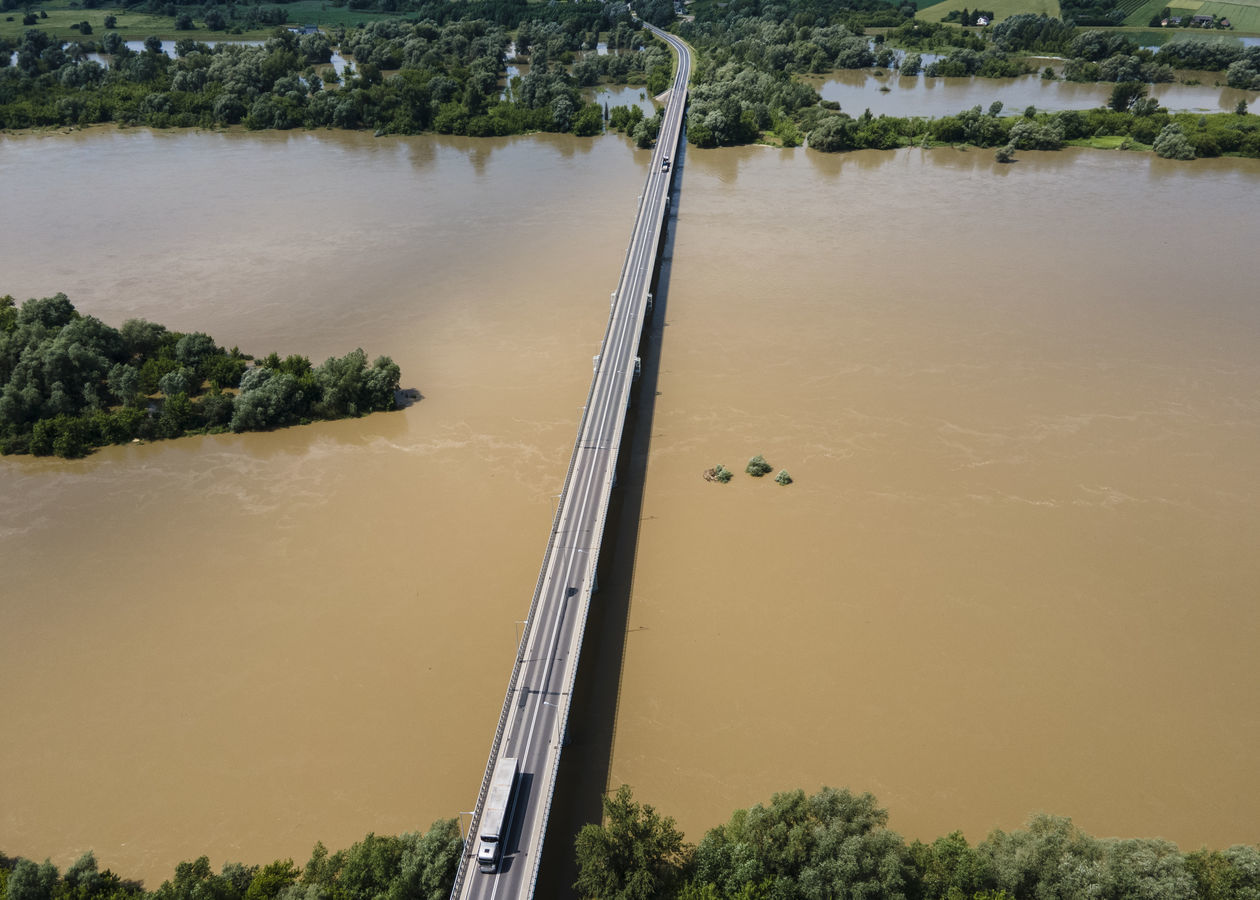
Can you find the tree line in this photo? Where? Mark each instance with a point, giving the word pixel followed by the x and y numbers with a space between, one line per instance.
pixel 1096 55
pixel 836 844
pixel 448 74
pixel 744 85
pixel 413 866
pixel 1137 119
pixel 830 845
pixel 70 383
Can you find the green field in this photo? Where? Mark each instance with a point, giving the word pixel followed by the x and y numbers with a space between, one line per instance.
pixel 1001 8
pixel 1245 17
pixel 136 26
pixel 1142 13
pixel 318 12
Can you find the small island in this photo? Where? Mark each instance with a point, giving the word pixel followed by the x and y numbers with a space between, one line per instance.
pixel 69 383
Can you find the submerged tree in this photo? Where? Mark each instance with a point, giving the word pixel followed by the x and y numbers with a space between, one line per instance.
pixel 757 466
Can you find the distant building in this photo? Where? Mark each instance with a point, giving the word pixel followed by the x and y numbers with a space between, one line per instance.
pixel 1172 20
pixel 305 29
pixel 1202 20
pixel 982 21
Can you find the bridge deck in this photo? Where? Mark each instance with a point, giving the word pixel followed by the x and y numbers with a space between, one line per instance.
pixel 536 708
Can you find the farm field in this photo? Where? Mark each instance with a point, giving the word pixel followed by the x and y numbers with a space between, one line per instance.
pixel 319 12
pixel 1243 14
pixel 136 26
pixel 1245 17
pixel 1001 8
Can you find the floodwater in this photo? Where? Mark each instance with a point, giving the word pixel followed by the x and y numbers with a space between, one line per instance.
pixel 1017 568
pixel 239 645
pixel 1015 571
pixel 917 95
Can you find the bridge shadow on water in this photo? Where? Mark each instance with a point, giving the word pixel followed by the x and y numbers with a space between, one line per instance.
pixel 587 759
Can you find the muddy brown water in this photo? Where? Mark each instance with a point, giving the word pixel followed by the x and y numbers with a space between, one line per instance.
pixel 1015 572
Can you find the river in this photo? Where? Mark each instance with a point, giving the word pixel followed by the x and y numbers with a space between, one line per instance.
pixel 1014 573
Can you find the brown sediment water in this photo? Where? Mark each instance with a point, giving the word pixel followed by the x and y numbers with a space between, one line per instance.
pixel 237 645
pixel 1017 569
pixel 1014 573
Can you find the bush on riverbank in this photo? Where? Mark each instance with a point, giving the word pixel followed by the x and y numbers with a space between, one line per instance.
pixel 70 383
pixel 411 866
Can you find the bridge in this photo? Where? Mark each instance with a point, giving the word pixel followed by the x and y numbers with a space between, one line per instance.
pixel 534 721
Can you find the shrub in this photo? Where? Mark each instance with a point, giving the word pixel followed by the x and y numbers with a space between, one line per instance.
pixel 718 473
pixel 757 466
pixel 783 477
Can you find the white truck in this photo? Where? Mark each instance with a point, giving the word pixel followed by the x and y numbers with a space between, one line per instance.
pixel 496 814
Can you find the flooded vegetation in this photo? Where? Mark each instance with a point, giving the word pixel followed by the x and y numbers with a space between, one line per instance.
pixel 1014 572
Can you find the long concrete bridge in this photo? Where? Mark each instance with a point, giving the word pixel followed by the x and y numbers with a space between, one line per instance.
pixel 534 720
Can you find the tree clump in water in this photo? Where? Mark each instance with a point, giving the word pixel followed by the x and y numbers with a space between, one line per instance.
pixel 70 383
pixel 757 466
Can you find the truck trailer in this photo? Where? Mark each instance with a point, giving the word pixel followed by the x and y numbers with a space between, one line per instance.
pixel 496 814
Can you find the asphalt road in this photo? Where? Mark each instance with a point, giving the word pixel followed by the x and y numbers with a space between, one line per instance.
pixel 537 704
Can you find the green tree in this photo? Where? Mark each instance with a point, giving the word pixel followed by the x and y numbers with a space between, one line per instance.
pixel 637 855
pixel 1125 94
pixel 178 415
pixel 8 313
pixel 950 867
pixel 1171 143
pixel 832 844
pixel 271 879
pixel 180 381
pixel 197 881
pixel 428 863
pixel 111 21
pixel 29 881
pixel 833 134
pixel 757 466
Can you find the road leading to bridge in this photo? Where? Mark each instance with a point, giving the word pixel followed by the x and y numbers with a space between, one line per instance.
pixel 536 709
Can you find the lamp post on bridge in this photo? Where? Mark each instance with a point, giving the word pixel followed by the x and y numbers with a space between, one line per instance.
pixel 463 835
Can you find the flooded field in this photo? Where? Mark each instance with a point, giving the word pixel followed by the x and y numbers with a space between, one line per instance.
pixel 893 94
pixel 1015 572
